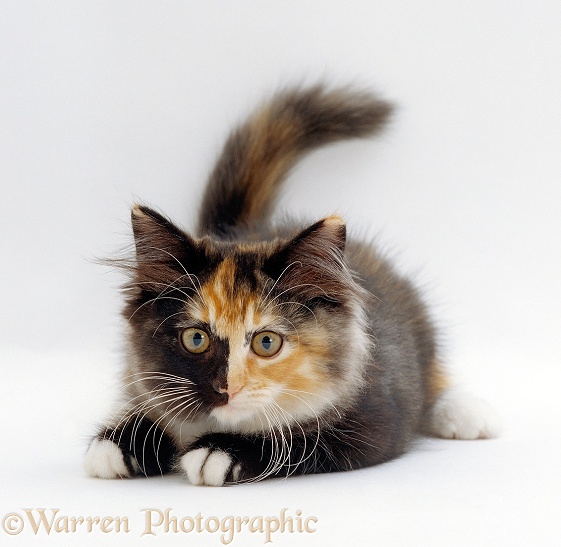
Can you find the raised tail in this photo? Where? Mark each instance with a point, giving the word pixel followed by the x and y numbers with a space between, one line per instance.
pixel 258 154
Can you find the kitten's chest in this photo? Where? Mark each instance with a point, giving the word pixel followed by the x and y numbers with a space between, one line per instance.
pixel 185 433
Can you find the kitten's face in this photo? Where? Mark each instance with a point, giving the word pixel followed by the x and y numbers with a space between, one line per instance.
pixel 252 335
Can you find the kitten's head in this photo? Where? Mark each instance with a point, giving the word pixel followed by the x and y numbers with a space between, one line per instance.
pixel 250 334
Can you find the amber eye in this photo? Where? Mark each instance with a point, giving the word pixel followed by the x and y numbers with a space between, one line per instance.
pixel 266 344
pixel 195 340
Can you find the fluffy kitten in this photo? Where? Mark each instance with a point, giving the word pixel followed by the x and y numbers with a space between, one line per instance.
pixel 257 350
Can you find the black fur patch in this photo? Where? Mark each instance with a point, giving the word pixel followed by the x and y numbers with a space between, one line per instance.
pixel 142 440
pixel 343 446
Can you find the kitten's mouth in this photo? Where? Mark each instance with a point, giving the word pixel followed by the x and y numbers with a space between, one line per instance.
pixel 220 400
pixel 229 405
pixel 231 412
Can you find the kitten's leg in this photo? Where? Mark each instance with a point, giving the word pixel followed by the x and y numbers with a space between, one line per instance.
pixel 219 459
pixel 453 414
pixel 138 447
pixel 457 415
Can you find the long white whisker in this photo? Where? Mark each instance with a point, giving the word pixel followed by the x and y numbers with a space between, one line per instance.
pixel 277 280
pixel 168 317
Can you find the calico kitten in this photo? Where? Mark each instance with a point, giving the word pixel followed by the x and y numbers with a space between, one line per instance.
pixel 259 350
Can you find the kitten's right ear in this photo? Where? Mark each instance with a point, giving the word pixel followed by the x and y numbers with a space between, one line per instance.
pixel 162 249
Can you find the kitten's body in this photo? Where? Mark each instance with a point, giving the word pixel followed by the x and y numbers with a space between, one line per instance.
pixel 355 374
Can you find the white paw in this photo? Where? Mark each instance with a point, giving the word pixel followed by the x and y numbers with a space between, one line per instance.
pixel 205 467
pixel 457 415
pixel 105 460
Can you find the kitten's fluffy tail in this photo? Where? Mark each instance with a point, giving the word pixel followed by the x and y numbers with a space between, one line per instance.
pixel 258 154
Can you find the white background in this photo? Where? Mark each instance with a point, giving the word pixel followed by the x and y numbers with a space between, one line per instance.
pixel 103 103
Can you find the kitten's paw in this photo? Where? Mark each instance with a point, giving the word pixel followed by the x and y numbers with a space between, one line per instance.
pixel 105 460
pixel 457 415
pixel 211 467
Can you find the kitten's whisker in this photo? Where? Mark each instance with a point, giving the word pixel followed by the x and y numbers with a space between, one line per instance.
pixel 145 376
pixel 168 317
pixel 317 421
pixel 139 419
pixel 286 448
pixel 158 374
pixel 154 300
pixel 291 288
pixel 277 280
pixel 329 402
pixel 274 441
pixel 283 453
pixel 168 287
pixel 288 423
pixel 141 410
pixel 192 412
pixel 295 466
pixel 296 304
pixel 189 275
pixel 294 328
pixel 274 448
pixel 171 256
pixel 157 390
pixel 180 407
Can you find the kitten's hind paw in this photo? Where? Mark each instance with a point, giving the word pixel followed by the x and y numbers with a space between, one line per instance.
pixel 206 466
pixel 456 415
pixel 105 460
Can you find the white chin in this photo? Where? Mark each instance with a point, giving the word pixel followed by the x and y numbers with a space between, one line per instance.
pixel 230 417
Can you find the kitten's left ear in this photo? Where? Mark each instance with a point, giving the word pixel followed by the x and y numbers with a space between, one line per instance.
pixel 162 249
pixel 312 263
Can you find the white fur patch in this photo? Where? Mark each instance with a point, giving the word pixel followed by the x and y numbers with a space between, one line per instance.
pixel 105 460
pixel 204 467
pixel 192 463
pixel 216 468
pixel 236 471
pixel 457 415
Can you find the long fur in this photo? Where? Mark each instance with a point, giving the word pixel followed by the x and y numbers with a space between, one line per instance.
pixel 357 375
pixel 258 155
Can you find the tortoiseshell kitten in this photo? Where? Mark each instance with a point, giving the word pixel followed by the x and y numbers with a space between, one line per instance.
pixel 261 351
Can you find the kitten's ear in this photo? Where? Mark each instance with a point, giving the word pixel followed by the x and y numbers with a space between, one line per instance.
pixel 162 249
pixel 312 263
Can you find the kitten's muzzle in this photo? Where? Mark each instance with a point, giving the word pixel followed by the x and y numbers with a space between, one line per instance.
pixel 226 392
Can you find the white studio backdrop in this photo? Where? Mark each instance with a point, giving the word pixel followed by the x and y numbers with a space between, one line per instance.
pixel 105 103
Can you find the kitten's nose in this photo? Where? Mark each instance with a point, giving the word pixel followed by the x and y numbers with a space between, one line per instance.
pixel 231 390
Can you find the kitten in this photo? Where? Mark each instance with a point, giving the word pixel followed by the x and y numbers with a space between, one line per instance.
pixel 259 350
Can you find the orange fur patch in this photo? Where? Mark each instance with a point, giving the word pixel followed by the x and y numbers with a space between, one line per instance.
pixel 436 381
pixel 228 308
pixel 233 312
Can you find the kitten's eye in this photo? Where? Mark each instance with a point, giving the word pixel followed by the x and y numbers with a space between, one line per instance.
pixel 266 344
pixel 195 340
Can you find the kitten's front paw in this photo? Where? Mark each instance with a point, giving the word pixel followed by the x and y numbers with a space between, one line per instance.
pixel 457 415
pixel 105 460
pixel 209 466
